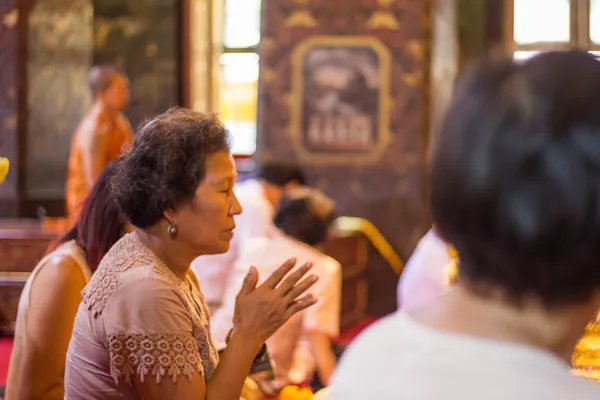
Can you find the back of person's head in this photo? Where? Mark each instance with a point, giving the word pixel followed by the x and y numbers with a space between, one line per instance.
pixel 100 224
pixel 110 86
pixel 305 214
pixel 515 177
pixel 281 174
pixel 101 77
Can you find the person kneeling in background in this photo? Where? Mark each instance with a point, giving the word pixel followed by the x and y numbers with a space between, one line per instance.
pixel 303 345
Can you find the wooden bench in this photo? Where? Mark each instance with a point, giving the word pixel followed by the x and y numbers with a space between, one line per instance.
pixel 22 244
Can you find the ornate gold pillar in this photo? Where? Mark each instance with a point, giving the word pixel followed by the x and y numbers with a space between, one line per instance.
pixel 444 57
pixel 206 21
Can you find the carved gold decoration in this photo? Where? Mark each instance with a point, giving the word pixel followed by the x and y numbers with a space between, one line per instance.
pixel 11 18
pixel 586 357
pixel 295 100
pixel 204 76
pixel 268 43
pixel 353 224
pixel 383 19
pixel 4 166
pixel 61 26
pixel 411 79
pixel 268 75
pixel 300 17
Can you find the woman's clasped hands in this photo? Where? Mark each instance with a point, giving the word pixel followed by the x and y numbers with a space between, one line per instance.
pixel 261 310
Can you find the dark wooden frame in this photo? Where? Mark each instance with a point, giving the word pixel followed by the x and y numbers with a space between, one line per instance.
pixel 184 53
pixel 237 50
pixel 579 32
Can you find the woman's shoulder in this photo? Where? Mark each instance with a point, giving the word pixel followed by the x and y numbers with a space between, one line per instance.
pixel 61 271
pixel 129 250
pixel 128 266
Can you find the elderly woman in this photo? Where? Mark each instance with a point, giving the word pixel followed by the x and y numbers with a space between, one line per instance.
pixel 52 294
pixel 515 188
pixel 142 330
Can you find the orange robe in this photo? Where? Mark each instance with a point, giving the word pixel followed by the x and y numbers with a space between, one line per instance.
pixel 101 137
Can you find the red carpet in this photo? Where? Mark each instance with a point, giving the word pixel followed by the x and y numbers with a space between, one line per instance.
pixel 348 334
pixel 5 349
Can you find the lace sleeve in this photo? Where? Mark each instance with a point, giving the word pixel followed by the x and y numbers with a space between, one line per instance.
pixel 150 333
pixel 157 355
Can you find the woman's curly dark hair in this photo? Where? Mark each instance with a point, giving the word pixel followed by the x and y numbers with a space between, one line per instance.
pixel 166 163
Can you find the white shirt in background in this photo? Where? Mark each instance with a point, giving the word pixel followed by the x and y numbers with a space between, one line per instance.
pixel 289 351
pixel 399 358
pixel 256 220
pixel 424 276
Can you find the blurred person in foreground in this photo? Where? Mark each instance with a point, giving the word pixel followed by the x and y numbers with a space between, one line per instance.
pixel 100 136
pixel 424 276
pixel 515 188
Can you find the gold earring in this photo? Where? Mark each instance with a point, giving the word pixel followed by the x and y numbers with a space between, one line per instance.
pixel 172 230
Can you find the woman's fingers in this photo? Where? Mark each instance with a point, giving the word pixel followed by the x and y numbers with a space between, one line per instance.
pixel 299 305
pixel 279 273
pixel 291 280
pixel 301 288
pixel 250 281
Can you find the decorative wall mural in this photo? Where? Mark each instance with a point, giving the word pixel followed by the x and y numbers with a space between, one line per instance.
pixel 143 38
pixel 340 99
pixel 390 191
pixel 8 96
pixel 60 43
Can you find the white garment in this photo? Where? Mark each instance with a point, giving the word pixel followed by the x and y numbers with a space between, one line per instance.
pixel 21 341
pixel 70 249
pixel 288 350
pixel 424 276
pixel 399 358
pixel 256 220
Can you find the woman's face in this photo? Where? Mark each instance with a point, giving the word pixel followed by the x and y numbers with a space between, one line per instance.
pixel 206 223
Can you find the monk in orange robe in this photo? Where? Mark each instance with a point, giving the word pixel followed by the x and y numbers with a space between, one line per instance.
pixel 99 137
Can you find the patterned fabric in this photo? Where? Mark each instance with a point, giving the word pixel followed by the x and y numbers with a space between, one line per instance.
pixel 106 279
pixel 149 323
pixel 154 354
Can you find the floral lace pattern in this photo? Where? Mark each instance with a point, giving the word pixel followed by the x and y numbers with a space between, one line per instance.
pixel 104 282
pixel 158 355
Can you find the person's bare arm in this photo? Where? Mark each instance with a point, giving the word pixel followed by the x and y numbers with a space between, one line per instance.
pixel 54 299
pixel 322 322
pixel 226 382
pixel 259 312
pixel 322 350
pixel 94 146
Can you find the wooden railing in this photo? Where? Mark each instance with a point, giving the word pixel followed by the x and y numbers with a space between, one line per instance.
pixel 347 225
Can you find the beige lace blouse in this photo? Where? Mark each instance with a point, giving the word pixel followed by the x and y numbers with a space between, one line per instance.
pixel 136 318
